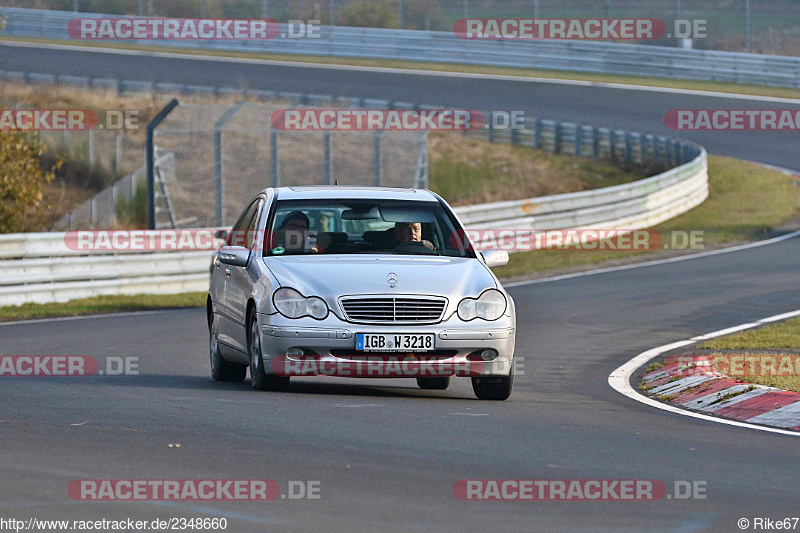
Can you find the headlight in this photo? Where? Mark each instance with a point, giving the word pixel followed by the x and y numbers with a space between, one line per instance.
pixel 292 304
pixel 490 305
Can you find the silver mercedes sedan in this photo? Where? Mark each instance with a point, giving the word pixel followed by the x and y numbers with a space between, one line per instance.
pixel 358 282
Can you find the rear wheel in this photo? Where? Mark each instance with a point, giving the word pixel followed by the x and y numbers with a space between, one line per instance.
pixel 222 370
pixel 259 378
pixel 436 383
pixel 494 387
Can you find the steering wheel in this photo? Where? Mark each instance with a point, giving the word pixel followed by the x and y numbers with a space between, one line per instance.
pixel 414 247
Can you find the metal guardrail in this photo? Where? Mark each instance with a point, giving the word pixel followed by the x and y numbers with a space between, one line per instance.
pixel 41 268
pixel 445 47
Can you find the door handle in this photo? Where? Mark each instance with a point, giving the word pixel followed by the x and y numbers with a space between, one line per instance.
pixel 227 271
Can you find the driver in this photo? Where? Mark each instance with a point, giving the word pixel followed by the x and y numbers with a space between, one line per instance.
pixel 292 232
pixel 410 232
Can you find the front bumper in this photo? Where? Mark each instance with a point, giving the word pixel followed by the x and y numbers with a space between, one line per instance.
pixel 330 346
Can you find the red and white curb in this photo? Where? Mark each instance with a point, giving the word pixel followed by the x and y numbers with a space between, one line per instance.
pixel 778 410
pixel 689 382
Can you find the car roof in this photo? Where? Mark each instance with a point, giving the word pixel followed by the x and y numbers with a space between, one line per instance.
pixel 341 192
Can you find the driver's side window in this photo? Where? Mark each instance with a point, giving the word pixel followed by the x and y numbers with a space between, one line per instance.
pixel 241 234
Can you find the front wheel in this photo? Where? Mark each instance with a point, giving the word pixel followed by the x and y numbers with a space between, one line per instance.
pixel 494 387
pixel 222 370
pixel 259 379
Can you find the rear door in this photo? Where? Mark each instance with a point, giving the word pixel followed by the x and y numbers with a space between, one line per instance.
pixel 230 320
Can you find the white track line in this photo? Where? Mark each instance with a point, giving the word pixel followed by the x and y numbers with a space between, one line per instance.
pixel 389 70
pixel 620 379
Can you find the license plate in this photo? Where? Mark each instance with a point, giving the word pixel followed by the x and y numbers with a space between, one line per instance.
pixel 382 342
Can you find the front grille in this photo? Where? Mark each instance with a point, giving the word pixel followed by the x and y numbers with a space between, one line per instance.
pixel 399 309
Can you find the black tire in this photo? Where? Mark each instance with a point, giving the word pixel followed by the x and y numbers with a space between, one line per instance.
pixel 494 387
pixel 435 383
pixel 222 370
pixel 259 378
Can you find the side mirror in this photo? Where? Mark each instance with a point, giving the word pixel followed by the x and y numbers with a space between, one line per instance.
pixel 234 255
pixel 495 258
pixel 221 234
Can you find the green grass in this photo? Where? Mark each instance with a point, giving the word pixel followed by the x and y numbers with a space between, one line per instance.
pixel 454 67
pixel 745 202
pixel 790 383
pixel 103 304
pixel 781 335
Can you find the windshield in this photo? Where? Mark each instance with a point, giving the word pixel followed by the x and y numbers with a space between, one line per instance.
pixel 364 227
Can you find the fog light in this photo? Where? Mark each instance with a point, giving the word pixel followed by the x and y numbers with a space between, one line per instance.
pixel 489 354
pixel 294 352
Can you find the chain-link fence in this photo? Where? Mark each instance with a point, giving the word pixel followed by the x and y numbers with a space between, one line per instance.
pixel 225 154
pixel 112 151
pixel 211 159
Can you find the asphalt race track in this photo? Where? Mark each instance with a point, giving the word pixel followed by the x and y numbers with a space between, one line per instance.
pixel 386 453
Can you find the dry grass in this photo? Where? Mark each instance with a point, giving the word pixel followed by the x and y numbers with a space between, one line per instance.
pixel 467 171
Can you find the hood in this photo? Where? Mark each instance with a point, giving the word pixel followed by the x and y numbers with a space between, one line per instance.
pixel 334 276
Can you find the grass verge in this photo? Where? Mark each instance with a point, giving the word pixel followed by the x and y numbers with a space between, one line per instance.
pixel 784 334
pixel 746 202
pixel 469 171
pixel 733 88
pixel 103 305
pixel 781 336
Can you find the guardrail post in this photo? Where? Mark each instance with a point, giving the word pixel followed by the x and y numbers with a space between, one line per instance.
pixel 612 150
pixel 537 133
pixel 654 150
pixel 595 142
pixel 557 140
pixel 117 152
pixel 628 149
pixel 273 151
pixel 376 160
pixel 328 162
pixel 490 131
pixel 578 136
pixel 91 147
pixel 150 161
